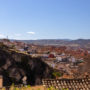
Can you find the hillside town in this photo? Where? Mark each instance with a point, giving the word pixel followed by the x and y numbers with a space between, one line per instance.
pixel 64 59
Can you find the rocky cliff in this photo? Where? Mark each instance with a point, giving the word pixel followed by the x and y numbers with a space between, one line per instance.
pixel 14 66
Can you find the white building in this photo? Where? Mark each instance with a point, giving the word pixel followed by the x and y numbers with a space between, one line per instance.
pixel 59 58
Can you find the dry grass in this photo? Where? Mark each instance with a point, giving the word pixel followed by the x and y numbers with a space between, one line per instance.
pixel 26 88
pixel 32 88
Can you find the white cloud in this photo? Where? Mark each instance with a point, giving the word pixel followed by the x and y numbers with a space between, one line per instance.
pixel 31 33
pixel 17 34
pixel 2 36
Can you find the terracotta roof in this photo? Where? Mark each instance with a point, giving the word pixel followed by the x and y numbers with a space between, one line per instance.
pixel 68 84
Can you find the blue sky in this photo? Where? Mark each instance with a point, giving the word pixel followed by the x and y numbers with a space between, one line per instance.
pixel 45 19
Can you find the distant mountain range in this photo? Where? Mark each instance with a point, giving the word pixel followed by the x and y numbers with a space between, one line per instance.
pixel 84 43
pixel 79 43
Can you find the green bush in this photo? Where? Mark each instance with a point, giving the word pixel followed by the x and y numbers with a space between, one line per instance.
pixel 57 74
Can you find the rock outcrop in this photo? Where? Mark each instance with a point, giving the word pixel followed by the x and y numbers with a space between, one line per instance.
pixel 14 66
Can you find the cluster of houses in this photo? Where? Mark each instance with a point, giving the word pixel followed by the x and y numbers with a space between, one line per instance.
pixel 51 55
pixel 34 50
pixel 61 58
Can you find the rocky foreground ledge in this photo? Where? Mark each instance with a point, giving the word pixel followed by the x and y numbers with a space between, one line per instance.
pixel 14 66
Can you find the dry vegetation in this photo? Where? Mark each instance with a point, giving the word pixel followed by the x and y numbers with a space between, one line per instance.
pixel 32 88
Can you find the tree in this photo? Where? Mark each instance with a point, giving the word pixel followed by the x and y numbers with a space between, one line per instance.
pixel 57 74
